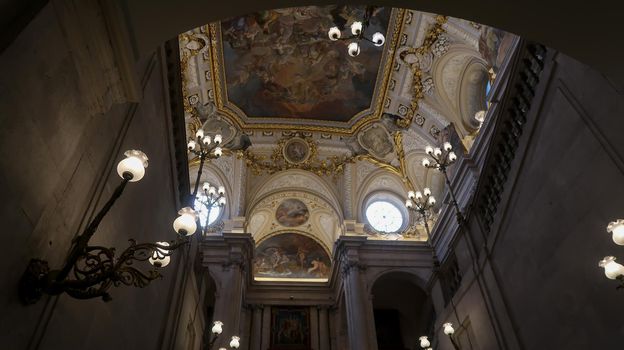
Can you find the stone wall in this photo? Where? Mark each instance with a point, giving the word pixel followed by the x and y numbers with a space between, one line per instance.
pixel 58 161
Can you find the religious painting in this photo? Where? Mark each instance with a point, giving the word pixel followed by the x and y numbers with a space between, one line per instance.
pixel 290 328
pixel 292 256
pixel 292 212
pixel 296 150
pixel 281 63
pixel 376 140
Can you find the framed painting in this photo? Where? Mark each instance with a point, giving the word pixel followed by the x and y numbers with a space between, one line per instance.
pixel 290 328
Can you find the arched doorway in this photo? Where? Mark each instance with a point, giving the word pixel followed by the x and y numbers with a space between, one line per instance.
pixel 403 311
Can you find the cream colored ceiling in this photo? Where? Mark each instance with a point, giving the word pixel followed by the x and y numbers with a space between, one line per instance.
pixel 452 71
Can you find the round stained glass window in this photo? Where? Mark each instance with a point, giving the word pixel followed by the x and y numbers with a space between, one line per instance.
pixel 384 216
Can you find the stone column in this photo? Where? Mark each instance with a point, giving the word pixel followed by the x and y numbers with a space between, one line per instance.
pixel 323 328
pixel 314 328
pixel 255 341
pixel 228 259
pixel 360 323
pixel 266 328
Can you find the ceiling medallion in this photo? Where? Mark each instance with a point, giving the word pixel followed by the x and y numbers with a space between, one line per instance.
pixel 296 150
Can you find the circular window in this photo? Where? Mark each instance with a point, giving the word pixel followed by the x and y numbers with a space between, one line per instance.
pixel 207 215
pixel 384 216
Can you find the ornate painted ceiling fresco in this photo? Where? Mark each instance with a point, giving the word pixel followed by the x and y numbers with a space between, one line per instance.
pixel 279 63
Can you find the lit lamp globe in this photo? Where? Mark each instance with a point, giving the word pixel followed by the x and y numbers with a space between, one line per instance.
pixel 448 328
pixel 356 28
pixel 617 229
pixel 612 269
pixel 185 224
pixel 133 166
pixel 217 327
pixel 159 257
pixel 235 342
pixel 378 39
pixel 424 342
pixel 353 49
pixel 333 33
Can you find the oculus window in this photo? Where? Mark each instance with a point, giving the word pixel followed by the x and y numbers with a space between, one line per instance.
pixel 384 216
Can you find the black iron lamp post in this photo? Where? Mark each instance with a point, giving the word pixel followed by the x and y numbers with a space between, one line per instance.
pixel 358 30
pixel 90 271
pixel 422 203
pixel 440 159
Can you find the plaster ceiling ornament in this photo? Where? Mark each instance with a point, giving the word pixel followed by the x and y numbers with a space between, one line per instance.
pixel 419 120
pixel 441 46
pixel 376 140
pixel 296 150
pixel 428 86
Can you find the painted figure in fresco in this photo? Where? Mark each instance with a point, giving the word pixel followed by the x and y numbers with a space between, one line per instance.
pixel 292 212
pixel 318 268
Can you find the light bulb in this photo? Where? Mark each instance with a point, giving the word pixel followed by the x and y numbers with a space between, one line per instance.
pixel 448 328
pixel 133 166
pixel 617 229
pixel 221 190
pixel 480 116
pixel 427 192
pixel 437 152
pixel 218 151
pixel 452 156
pixel 426 162
pixel 206 140
pixel 191 145
pixel 432 200
pixel 334 33
pixel 206 186
pixel 429 150
pixel 410 194
pixel 424 342
pixel 447 146
pixel 199 134
pixel 378 39
pixel 218 139
pixel 234 343
pixel 217 327
pixel 611 269
pixel 212 190
pixel 409 203
pixel 159 257
pixel 419 195
pixel 353 49
pixel 222 201
pixel 356 28
pixel 185 224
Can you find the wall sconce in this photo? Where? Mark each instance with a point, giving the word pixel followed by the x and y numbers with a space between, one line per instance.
pixel 449 330
pixel 357 33
pixel 613 270
pixel 90 271
pixel 217 329
pixel 421 203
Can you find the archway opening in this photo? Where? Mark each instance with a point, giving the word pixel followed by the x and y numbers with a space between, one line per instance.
pixel 403 312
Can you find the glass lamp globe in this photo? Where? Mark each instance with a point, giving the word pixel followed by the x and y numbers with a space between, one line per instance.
pixel 158 258
pixel 356 28
pixel 235 342
pixel 611 269
pixel 411 194
pixel 426 162
pixel 447 146
pixel 199 134
pixel 452 156
pixel 448 328
pixel 378 39
pixel 424 342
pixel 437 152
pixel 133 165
pixel 409 203
pixel 191 145
pixel 206 140
pixel 432 200
pixel 418 195
pixel 185 224
pixel 353 49
pixel 217 327
pixel 218 151
pixel 427 191
pixel 429 150
pixel 218 138
pixel 222 349
pixel 617 229
pixel 334 33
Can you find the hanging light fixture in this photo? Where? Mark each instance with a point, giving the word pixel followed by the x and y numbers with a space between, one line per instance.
pixel 358 29
pixel 90 271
